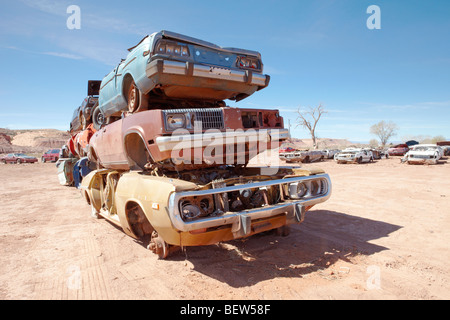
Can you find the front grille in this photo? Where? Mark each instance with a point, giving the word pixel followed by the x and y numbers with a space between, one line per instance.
pixel 210 118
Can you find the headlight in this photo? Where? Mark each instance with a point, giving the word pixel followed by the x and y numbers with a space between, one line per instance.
pixel 175 121
pixel 312 188
pixel 171 48
pixel 248 63
pixel 297 190
pixel 196 207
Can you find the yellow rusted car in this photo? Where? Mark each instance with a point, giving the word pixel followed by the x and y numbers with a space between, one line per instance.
pixel 203 207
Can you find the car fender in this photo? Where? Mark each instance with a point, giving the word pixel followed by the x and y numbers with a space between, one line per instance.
pixel 152 195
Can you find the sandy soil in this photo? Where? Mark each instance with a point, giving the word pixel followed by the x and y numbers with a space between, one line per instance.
pixel 383 234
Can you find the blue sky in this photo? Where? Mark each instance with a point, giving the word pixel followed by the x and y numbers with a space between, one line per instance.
pixel 314 51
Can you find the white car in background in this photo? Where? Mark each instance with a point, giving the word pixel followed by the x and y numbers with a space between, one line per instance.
pixel 304 156
pixel 330 153
pixel 423 153
pixel 354 155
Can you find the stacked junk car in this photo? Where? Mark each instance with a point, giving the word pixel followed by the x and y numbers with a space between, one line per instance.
pixel 156 150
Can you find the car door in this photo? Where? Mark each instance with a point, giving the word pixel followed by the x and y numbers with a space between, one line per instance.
pixel 108 92
pixel 366 156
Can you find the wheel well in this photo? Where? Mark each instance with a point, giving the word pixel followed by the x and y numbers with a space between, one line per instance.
pixel 86 196
pixel 127 80
pixel 136 151
pixel 137 220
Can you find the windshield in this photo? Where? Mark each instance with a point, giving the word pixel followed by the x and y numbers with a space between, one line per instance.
pixel 423 148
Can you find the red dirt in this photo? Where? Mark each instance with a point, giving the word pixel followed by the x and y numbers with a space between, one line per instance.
pixel 383 234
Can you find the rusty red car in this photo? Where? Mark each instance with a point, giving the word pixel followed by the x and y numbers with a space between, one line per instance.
pixel 78 144
pixel 51 155
pixel 398 150
pixel 182 139
pixel 18 158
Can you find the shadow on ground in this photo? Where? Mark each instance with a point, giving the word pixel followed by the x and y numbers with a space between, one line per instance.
pixel 324 238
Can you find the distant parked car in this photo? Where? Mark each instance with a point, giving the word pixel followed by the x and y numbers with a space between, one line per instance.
pixel 18 158
pixel 352 155
pixel 288 149
pixel 423 153
pixel 304 156
pixel 378 153
pixel 411 143
pixel 166 67
pixel 398 150
pixel 329 153
pixel 51 155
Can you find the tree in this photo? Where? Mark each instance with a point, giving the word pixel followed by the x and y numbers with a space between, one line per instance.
pixel 373 143
pixel 436 139
pixel 308 119
pixel 384 131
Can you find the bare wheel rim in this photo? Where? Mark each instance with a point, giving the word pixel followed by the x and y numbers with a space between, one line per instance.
pixel 133 97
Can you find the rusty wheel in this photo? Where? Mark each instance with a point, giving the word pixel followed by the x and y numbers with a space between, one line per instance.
pixel 158 246
pixel 133 98
pixel 98 118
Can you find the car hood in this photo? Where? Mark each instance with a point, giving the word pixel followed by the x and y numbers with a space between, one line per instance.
pixel 426 152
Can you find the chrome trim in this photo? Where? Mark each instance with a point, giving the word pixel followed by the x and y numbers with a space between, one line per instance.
pixel 179 142
pixel 234 217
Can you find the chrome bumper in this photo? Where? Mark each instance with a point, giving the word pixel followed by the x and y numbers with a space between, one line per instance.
pixel 211 139
pixel 204 71
pixel 241 221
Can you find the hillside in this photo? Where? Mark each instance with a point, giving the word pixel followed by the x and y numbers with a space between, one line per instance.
pixel 323 143
pixel 31 141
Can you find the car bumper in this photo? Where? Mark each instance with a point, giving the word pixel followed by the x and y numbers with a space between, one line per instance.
pixel 205 71
pixel 196 81
pixel 200 140
pixel 241 222
pixel 347 160
pixel 421 161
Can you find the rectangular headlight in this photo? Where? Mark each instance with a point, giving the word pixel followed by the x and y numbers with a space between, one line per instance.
pixel 175 121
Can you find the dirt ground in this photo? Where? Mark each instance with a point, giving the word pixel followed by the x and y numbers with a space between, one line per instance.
pixel 383 234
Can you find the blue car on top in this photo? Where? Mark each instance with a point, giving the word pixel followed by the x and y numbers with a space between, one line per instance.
pixel 170 70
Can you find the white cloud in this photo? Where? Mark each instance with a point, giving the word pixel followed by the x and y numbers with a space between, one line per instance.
pixel 63 55
pixel 48 53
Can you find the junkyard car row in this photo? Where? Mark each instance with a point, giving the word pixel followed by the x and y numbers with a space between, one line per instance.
pixel 18 158
pixel 160 154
